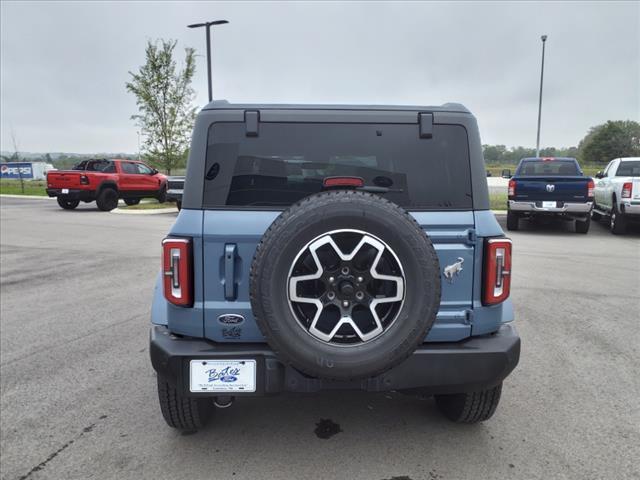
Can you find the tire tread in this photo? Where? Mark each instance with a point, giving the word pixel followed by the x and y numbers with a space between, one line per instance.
pixel 181 412
pixel 102 200
pixel 470 407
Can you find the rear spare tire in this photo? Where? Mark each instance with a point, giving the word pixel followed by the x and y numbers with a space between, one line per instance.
pixel 345 285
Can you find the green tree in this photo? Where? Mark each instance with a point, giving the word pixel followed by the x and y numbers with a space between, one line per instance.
pixel 494 153
pixel 616 138
pixel 164 97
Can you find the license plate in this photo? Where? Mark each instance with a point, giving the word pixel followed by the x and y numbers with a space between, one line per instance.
pixel 222 375
pixel 65 190
pixel 548 204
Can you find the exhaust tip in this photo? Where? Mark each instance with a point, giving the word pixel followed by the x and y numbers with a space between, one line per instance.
pixel 223 402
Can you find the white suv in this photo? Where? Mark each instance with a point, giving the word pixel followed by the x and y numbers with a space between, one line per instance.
pixel 617 193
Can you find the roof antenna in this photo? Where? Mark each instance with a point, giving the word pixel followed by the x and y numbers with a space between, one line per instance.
pixel 208 26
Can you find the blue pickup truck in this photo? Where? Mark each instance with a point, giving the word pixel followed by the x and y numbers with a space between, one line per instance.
pixel 550 187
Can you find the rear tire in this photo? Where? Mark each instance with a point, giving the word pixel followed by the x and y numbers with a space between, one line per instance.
pixel 181 412
pixel 107 199
pixel 512 221
pixel 132 201
pixel 583 226
pixel 617 222
pixel 162 194
pixel 67 204
pixel 470 407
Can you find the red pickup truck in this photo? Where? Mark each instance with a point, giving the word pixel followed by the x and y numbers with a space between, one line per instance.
pixel 106 181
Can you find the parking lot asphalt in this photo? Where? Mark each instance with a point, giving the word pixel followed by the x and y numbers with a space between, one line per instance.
pixel 78 399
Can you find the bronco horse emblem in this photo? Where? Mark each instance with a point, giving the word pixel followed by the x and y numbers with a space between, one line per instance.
pixel 453 270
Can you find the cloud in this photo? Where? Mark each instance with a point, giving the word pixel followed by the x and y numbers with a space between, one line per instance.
pixel 64 65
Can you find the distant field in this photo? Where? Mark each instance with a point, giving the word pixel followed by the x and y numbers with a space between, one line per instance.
pixel 31 187
pixel 498 201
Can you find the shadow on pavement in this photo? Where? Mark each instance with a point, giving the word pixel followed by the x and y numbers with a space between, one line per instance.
pixel 555 226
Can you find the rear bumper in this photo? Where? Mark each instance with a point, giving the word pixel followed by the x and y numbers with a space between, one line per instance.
pixel 536 207
pixel 630 208
pixel 470 365
pixel 73 194
pixel 174 195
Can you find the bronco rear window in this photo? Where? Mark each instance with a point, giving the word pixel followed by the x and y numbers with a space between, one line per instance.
pixel 289 161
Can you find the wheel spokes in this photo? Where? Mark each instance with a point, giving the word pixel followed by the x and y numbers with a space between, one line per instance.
pixel 328 330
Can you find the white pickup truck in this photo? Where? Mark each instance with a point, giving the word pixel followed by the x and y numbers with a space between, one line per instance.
pixel 617 193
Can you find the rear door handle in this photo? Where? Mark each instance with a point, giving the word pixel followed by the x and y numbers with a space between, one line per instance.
pixel 230 271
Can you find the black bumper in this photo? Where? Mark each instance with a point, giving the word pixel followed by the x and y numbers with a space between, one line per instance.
pixel 73 194
pixel 173 196
pixel 470 365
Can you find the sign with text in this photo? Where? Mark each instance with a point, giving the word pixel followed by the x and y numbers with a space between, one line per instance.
pixel 16 170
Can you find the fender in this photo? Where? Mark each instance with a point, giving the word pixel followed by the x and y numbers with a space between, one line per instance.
pixel 107 184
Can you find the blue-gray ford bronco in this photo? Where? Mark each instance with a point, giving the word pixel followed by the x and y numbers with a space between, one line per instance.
pixel 333 247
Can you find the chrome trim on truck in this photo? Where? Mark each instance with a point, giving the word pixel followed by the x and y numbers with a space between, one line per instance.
pixel 631 208
pixel 568 207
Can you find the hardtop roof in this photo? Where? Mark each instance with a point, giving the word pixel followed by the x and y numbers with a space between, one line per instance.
pixel 225 105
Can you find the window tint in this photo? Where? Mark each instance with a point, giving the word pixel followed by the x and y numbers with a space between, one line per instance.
pixel 288 162
pixel 128 167
pixel 558 168
pixel 629 169
pixel 143 169
pixel 104 166
pixel 80 166
pixel 110 168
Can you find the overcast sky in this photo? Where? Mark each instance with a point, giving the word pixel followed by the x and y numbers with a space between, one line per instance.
pixel 64 65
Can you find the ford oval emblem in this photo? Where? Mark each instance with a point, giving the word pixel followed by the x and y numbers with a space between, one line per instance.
pixel 228 379
pixel 231 319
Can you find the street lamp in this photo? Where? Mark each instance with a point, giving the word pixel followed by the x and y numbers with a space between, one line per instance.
pixel 208 26
pixel 544 39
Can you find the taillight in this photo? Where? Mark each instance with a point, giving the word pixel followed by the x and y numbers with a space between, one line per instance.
pixel 497 270
pixel 512 188
pixel 627 188
pixel 343 182
pixel 84 180
pixel 177 271
pixel 590 187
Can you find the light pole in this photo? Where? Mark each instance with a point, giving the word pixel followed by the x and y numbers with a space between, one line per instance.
pixel 544 40
pixel 208 26
pixel 138 132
